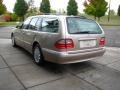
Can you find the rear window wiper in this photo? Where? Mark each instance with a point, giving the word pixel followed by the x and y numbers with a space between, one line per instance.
pixel 86 32
pixel 82 32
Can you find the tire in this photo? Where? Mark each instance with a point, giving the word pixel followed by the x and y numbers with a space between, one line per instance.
pixel 37 55
pixel 13 41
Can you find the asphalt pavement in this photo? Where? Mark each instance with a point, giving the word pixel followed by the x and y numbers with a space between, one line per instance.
pixel 19 72
pixel 112 36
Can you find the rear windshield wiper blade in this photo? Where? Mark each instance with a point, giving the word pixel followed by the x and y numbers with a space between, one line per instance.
pixel 82 32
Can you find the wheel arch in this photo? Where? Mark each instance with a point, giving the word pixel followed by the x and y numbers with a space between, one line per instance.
pixel 12 34
pixel 35 43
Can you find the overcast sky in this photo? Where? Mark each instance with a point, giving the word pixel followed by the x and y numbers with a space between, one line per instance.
pixel 60 4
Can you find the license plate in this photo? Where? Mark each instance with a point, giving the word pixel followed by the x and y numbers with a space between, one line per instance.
pixel 87 43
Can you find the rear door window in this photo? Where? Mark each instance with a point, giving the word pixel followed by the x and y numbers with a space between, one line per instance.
pixel 82 26
pixel 32 25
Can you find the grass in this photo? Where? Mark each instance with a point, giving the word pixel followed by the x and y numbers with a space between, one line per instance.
pixel 114 20
pixel 2 24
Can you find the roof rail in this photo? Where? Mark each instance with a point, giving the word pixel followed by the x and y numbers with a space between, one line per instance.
pixel 83 17
pixel 52 14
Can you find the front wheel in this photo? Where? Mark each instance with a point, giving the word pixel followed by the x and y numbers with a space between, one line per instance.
pixel 37 55
pixel 13 41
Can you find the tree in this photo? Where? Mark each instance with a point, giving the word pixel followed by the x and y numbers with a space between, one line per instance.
pixel 14 17
pixel 72 8
pixel 20 8
pixel 31 3
pixel 118 13
pixel 97 8
pixel 53 11
pixel 112 12
pixel 31 6
pixel 32 12
pixel 45 6
pixel 2 7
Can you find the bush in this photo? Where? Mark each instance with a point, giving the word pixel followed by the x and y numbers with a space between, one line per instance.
pixel 10 17
pixel 6 17
pixel 14 17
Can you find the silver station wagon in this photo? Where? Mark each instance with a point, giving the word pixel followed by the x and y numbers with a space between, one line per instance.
pixel 60 39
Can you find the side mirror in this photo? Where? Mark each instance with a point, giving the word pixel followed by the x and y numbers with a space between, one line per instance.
pixel 19 26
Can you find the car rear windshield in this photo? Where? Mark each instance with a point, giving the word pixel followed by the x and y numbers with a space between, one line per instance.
pixel 82 26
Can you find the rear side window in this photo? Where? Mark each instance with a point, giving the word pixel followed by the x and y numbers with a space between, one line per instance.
pixel 50 25
pixel 32 24
pixel 82 26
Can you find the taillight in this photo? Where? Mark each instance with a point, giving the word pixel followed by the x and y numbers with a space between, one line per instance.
pixel 64 44
pixel 102 42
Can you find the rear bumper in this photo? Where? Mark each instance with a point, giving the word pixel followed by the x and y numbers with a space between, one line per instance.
pixel 65 57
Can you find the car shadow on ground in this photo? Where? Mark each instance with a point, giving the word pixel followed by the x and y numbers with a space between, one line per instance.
pixel 50 67
pixel 60 68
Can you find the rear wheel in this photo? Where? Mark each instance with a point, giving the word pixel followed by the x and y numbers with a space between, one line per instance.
pixel 37 55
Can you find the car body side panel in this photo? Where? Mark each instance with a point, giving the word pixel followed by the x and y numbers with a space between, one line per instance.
pixel 18 34
pixel 28 38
